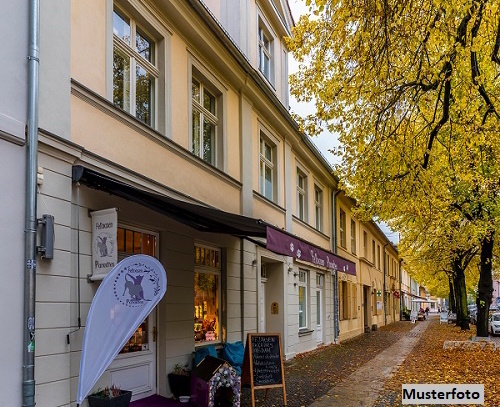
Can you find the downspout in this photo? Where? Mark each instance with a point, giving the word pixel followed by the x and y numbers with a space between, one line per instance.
pixel 400 289
pixel 242 291
pixel 336 328
pixel 385 296
pixel 30 215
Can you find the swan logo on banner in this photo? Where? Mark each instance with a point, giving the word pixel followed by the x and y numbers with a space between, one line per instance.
pixel 122 302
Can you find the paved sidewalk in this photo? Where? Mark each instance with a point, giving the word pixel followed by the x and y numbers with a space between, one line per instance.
pixel 362 388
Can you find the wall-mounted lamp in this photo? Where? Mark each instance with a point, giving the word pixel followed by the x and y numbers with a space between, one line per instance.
pixel 46 248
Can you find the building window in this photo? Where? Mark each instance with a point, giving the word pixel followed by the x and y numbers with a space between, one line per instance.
pixel 378 257
pixel 353 237
pixel 342 225
pixel 303 287
pixel 301 196
pixel 204 121
pixel 267 169
pixel 207 295
pixel 135 74
pixel 373 252
pixel 365 244
pixel 318 208
pixel 265 42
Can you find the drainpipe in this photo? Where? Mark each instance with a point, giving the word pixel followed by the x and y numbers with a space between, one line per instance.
pixel 30 215
pixel 400 288
pixel 336 329
pixel 242 290
pixel 385 296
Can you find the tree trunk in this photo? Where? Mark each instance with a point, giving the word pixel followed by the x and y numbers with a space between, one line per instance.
pixel 485 285
pixel 451 298
pixel 460 295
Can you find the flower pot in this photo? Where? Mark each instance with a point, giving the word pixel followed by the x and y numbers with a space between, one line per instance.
pixel 180 385
pixel 123 400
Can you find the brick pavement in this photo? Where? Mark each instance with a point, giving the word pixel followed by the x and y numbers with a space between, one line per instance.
pixel 362 387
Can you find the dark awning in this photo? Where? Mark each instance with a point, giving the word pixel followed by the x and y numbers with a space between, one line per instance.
pixel 199 217
pixel 212 220
pixel 287 244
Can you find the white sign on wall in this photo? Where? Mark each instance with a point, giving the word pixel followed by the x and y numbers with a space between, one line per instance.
pixel 104 250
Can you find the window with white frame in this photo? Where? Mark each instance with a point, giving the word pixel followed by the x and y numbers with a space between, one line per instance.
pixel 205 120
pixel 365 244
pixel 353 236
pixel 135 73
pixel 342 226
pixel 301 195
pixel 378 257
pixel 265 43
pixel 207 295
pixel 267 168
pixel 373 252
pixel 318 208
pixel 303 289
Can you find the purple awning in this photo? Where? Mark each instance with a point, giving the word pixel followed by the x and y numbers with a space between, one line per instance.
pixel 288 245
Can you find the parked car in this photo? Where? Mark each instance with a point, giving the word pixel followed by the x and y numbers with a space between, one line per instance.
pixel 472 309
pixel 494 324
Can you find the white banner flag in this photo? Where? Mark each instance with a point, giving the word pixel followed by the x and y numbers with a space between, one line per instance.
pixel 122 302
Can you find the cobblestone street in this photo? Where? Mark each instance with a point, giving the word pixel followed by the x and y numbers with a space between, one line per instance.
pixel 311 376
pixel 356 373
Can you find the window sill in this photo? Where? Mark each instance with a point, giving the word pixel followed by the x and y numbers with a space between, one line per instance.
pixel 305 332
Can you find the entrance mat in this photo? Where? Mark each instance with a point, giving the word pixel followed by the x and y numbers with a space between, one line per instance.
pixel 158 401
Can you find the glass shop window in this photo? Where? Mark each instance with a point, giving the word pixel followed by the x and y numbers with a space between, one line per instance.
pixel 207 288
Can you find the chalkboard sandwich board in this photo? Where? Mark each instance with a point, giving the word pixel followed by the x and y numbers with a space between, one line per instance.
pixel 263 363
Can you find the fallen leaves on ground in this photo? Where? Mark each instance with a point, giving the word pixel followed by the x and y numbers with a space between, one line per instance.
pixel 430 363
pixel 311 375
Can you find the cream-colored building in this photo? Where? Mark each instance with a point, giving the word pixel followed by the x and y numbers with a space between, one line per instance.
pixel 370 298
pixel 172 116
pixel 178 118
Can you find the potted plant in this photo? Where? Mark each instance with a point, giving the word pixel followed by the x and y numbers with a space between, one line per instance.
pixel 180 380
pixel 110 397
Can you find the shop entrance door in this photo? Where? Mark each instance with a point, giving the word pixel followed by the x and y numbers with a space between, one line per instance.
pixel 135 366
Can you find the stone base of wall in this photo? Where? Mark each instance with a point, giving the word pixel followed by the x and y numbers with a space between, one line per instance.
pixel 469 345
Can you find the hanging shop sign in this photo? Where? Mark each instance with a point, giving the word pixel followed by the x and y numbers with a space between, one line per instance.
pixel 122 302
pixel 104 247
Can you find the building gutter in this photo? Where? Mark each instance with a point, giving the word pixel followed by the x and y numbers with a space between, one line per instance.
pixel 30 214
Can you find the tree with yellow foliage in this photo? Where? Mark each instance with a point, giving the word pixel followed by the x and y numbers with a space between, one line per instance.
pixel 412 88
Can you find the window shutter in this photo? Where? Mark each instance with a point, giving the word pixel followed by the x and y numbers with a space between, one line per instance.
pixel 349 303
